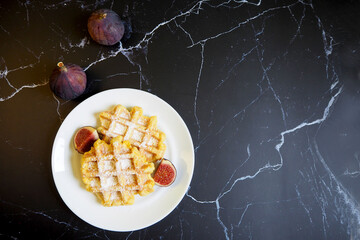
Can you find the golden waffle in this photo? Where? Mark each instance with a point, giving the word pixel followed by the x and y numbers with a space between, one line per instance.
pixel 141 131
pixel 116 172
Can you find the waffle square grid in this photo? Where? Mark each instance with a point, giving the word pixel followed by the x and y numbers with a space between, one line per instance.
pixel 141 131
pixel 116 172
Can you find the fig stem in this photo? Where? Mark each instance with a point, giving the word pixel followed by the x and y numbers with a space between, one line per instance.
pixel 102 15
pixel 62 67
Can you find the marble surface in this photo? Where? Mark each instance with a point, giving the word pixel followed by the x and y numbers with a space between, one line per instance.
pixel 270 91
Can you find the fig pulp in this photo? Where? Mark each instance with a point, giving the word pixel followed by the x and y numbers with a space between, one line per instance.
pixel 105 27
pixel 165 173
pixel 84 139
pixel 68 81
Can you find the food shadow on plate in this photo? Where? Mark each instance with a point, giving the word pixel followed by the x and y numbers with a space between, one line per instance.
pixel 97 116
pixel 181 172
pixel 76 158
pixel 109 109
pixel 76 168
pixel 76 162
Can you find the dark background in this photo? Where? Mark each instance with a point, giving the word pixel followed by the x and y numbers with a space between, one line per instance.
pixel 268 89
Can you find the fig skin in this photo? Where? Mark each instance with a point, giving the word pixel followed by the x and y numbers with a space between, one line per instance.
pixel 165 173
pixel 68 81
pixel 105 27
pixel 84 139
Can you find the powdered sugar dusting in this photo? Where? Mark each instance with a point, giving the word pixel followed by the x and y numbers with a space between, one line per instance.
pixel 137 136
pixel 142 121
pixel 120 129
pixel 124 164
pixel 130 179
pixel 125 115
pixel 108 182
pixel 95 183
pixel 108 166
pixel 115 196
pixel 153 142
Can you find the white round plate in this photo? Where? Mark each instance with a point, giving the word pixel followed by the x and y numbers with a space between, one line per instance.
pixel 147 210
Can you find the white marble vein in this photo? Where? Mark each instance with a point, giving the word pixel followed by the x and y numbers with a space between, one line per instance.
pixel 328 43
pixel 81 44
pixel 197 89
pixel 17 90
pixel 227 123
pixel 353 174
pixel 26 4
pixel 58 107
pixel 128 236
pixel 306 208
pixel 298 23
pixel 268 166
pixel 15 146
pixel 195 9
pixel 121 74
pixel 240 24
pixel 305 124
pixel 143 43
pixel 242 59
pixel 9 236
pixel 5 72
pixel 26 211
pixel 320 188
pixel 352 207
pixel 186 32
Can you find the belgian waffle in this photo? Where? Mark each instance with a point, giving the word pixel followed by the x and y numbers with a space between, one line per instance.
pixel 116 172
pixel 141 131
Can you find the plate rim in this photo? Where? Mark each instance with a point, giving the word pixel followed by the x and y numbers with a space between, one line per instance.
pixel 189 179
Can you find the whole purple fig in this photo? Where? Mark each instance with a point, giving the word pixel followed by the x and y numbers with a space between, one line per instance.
pixel 68 81
pixel 105 27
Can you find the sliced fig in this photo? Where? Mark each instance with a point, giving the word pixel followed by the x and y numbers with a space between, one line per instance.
pixel 105 27
pixel 84 139
pixel 165 173
pixel 68 81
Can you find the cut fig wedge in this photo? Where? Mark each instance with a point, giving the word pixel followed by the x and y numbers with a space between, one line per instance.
pixel 84 139
pixel 165 173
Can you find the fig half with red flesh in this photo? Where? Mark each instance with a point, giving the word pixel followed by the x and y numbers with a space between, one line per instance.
pixel 105 27
pixel 165 173
pixel 84 139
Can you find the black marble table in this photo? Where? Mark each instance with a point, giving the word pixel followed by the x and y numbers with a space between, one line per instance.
pixel 270 91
